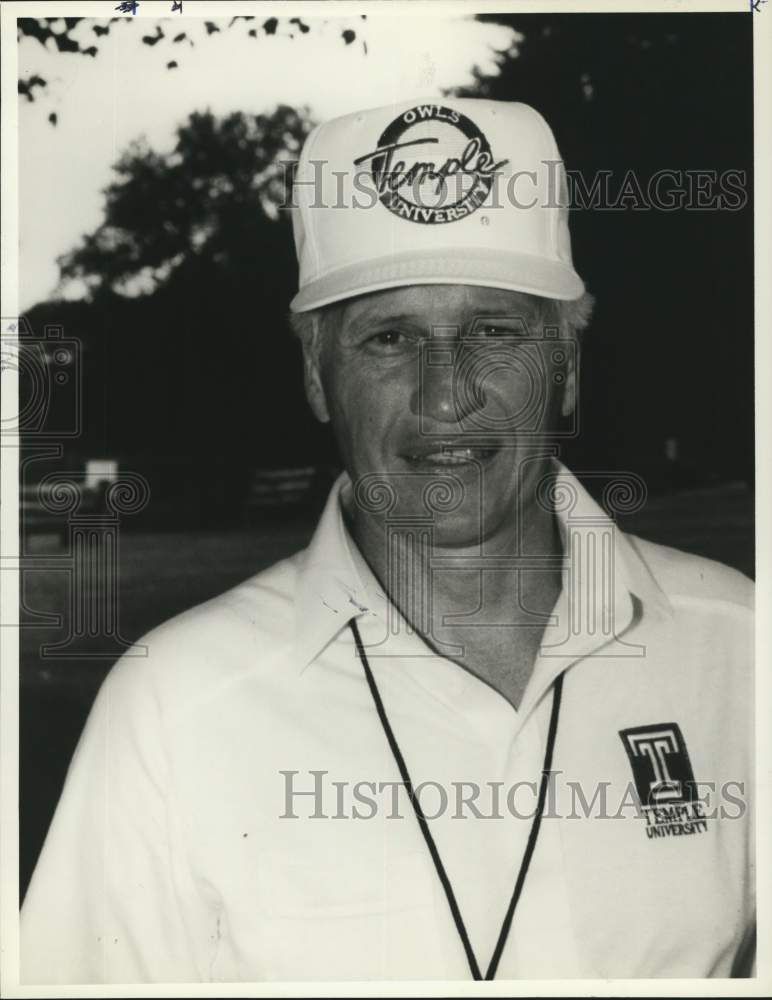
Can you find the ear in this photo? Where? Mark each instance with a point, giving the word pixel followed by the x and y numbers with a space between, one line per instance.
pixel 568 403
pixel 312 376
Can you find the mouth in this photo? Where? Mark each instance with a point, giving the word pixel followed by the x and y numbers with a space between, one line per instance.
pixel 444 456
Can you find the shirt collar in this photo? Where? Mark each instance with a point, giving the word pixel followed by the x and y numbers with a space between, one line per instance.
pixel 331 590
pixel 336 584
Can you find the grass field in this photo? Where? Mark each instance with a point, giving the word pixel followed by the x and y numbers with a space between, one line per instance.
pixel 163 574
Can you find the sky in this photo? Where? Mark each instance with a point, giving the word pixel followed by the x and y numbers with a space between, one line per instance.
pixel 126 91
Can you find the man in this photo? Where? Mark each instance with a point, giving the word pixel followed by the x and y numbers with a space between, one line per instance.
pixel 473 730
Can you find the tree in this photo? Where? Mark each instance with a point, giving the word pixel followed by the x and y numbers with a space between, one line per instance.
pixel 67 35
pixel 214 200
pixel 188 281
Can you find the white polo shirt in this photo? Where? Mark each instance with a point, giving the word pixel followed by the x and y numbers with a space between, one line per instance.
pixel 183 848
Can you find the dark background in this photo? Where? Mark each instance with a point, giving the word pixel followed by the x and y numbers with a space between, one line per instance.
pixel 197 384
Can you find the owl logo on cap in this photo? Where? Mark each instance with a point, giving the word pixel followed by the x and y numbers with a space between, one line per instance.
pixel 431 165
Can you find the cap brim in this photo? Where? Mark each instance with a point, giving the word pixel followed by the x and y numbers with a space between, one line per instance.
pixel 516 272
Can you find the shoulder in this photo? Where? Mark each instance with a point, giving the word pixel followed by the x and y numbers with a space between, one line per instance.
pixel 245 630
pixel 683 576
pixel 704 643
pixel 261 606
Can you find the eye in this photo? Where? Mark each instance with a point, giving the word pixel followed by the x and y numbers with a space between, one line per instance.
pixel 387 338
pixel 493 329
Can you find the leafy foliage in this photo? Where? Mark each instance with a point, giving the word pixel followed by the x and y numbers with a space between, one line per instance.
pixel 60 33
pixel 184 329
pixel 214 198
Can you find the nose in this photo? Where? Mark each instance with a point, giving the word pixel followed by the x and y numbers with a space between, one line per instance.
pixel 439 395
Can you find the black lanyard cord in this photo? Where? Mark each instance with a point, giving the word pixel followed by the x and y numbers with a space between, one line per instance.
pixel 557 693
pixel 435 854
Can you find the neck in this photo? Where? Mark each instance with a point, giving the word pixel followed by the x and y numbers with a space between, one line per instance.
pixel 488 620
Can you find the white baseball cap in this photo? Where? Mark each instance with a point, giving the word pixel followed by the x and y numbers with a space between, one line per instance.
pixel 444 191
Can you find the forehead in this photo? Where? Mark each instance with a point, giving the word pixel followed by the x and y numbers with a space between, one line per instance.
pixel 437 304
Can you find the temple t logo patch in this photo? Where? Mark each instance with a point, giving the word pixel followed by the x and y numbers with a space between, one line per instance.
pixel 664 780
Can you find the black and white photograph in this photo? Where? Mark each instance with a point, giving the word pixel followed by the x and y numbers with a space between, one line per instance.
pixel 385 498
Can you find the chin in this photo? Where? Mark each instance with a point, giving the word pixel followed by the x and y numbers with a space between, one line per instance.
pixel 459 532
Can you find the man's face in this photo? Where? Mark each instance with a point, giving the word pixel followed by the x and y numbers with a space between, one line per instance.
pixel 441 384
